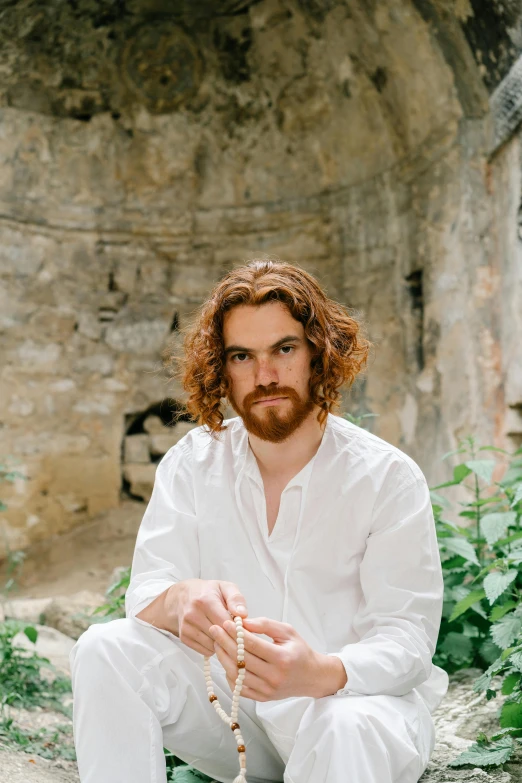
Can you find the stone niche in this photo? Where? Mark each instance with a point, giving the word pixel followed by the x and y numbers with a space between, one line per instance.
pixel 149 146
pixel 149 435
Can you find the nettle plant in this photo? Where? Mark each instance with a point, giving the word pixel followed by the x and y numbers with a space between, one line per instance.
pixel 482 566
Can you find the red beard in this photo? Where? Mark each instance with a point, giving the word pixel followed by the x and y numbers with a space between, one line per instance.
pixel 271 424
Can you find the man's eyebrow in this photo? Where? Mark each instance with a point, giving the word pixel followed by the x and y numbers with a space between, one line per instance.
pixel 291 338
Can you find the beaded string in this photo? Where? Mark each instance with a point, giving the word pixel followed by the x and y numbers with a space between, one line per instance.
pixel 232 719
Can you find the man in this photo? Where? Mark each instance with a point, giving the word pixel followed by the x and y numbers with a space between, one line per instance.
pixel 319 534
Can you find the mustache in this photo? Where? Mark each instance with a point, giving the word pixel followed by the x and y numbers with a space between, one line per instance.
pixel 262 393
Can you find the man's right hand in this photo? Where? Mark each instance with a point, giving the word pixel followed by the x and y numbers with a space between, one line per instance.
pixel 201 603
pixel 190 607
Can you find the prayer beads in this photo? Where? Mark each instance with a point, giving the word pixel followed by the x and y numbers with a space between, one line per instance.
pixel 232 719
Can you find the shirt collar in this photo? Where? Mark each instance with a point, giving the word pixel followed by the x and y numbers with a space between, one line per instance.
pixel 251 468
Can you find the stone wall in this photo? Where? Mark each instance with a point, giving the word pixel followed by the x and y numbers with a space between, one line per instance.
pixel 147 147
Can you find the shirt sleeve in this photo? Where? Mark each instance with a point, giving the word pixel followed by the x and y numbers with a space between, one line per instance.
pixel 399 616
pixel 166 549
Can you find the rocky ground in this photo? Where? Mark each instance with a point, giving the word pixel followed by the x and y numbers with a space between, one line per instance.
pixel 60 612
pixel 462 714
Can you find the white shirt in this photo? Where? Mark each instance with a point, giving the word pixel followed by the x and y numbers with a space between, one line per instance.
pixel 352 562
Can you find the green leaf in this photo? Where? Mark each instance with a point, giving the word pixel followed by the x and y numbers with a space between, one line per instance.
pixel 510 730
pixel 452 452
pixel 457 593
pixel 510 682
pixel 445 484
pixel 496 583
pixel 512 475
pixel 460 546
pixel 498 563
pixel 466 603
pixel 478 503
pixel 439 500
pixel 3 507
pixel 505 631
pixel 468 514
pixel 495 525
pixel 189 775
pixel 515 659
pixel 518 495
pixel 483 682
pixel 509 651
pixel 511 715
pixel 457 646
pixel 481 755
pixel 460 473
pixel 31 633
pixel 511 540
pixel 500 610
pixel 454 563
pixel 483 468
pixel 450 528
pixel 493 448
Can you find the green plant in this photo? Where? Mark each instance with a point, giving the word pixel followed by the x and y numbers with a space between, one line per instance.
pixel 48 743
pixel 482 566
pixel 7 473
pixel 14 559
pixel 114 607
pixel 23 685
pixel 357 420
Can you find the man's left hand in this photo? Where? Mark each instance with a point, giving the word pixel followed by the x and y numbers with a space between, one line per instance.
pixel 287 667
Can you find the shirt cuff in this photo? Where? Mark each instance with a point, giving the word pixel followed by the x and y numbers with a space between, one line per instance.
pixel 347 690
pixel 145 594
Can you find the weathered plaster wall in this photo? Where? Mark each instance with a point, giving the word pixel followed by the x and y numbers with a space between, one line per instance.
pixel 148 147
pixel 507 185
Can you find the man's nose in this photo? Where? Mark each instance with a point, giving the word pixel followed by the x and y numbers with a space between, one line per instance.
pixel 266 373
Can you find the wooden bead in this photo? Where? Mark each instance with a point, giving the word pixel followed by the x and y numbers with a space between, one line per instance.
pixel 233 718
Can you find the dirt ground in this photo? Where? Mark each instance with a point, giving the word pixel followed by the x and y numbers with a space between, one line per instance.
pixel 83 559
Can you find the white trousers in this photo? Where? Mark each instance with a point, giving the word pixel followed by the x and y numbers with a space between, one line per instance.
pixel 138 689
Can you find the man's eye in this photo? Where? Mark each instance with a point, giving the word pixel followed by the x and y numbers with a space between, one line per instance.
pixel 289 347
pixel 236 355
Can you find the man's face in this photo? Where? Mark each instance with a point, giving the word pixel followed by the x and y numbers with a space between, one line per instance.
pixel 267 369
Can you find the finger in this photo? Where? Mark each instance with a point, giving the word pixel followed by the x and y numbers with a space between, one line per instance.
pixel 249 693
pixel 279 632
pixel 198 647
pixel 251 680
pixel 196 628
pixel 198 623
pixel 233 599
pixel 252 693
pixel 259 648
pixel 226 638
pixel 216 612
pixel 192 637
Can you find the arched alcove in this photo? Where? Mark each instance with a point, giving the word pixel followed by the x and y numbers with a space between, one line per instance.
pixel 150 146
pixel 149 434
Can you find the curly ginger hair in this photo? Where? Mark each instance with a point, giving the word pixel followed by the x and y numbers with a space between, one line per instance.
pixel 339 349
